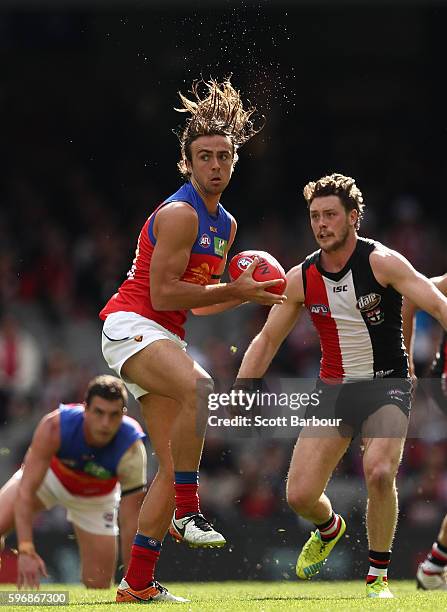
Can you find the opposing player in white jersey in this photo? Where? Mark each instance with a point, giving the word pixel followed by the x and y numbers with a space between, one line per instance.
pixel 352 288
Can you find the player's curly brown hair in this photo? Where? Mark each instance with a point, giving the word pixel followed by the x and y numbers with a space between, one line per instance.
pixel 216 109
pixel 340 185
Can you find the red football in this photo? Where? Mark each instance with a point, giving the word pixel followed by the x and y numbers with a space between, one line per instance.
pixel 268 268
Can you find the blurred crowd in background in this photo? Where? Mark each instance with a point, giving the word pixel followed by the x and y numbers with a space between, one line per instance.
pixel 88 101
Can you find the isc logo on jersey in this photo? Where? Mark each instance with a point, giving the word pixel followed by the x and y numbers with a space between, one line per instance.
pixel 368 302
pixel 205 241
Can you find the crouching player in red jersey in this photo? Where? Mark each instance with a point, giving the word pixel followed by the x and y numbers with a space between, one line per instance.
pixel 180 257
pixel 84 457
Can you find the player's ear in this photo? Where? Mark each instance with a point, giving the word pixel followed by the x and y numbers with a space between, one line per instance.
pixel 353 216
pixel 188 165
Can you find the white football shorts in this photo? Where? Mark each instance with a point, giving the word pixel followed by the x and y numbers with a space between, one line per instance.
pixel 96 514
pixel 127 333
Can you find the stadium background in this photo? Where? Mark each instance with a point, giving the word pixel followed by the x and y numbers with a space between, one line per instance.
pixel 87 97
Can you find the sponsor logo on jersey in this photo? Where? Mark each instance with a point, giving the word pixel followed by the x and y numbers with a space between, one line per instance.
pixel 368 302
pixel 98 471
pixel 396 394
pixel 340 288
pixel 138 338
pixel 244 262
pixel 219 246
pixel 213 229
pixel 320 309
pixel 205 241
pixel 383 373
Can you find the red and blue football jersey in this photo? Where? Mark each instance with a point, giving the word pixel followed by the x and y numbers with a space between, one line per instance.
pixel 207 252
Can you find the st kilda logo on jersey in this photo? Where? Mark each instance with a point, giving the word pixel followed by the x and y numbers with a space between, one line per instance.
pixel 369 306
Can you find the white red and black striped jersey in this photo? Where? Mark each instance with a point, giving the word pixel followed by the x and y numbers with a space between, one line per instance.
pixel 358 320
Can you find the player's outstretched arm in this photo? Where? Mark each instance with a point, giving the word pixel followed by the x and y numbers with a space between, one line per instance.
pixel 132 476
pixel 408 318
pixel 408 325
pixel 175 229
pixel 44 445
pixel 281 320
pixel 391 268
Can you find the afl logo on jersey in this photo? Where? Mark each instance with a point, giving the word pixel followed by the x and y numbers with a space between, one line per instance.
pixel 244 262
pixel 320 309
pixel 205 241
pixel 368 302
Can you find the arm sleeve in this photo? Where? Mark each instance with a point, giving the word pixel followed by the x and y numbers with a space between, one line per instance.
pixel 132 468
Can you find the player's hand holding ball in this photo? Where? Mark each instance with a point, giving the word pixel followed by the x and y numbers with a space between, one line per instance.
pixel 259 277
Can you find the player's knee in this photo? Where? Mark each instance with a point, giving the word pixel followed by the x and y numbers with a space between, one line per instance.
pixel 299 500
pixel 198 392
pixel 380 476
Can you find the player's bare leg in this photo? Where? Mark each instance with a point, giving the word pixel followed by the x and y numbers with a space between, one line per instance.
pixel 171 377
pixel 158 507
pixel 305 487
pixel 98 558
pixel 380 464
pixel 305 495
pixel 166 370
pixel 381 459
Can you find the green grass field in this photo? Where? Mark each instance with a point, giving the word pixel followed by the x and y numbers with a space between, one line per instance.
pixel 259 597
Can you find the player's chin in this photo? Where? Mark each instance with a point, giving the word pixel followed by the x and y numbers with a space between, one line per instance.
pixel 327 244
pixel 216 187
pixel 322 242
pixel 104 437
